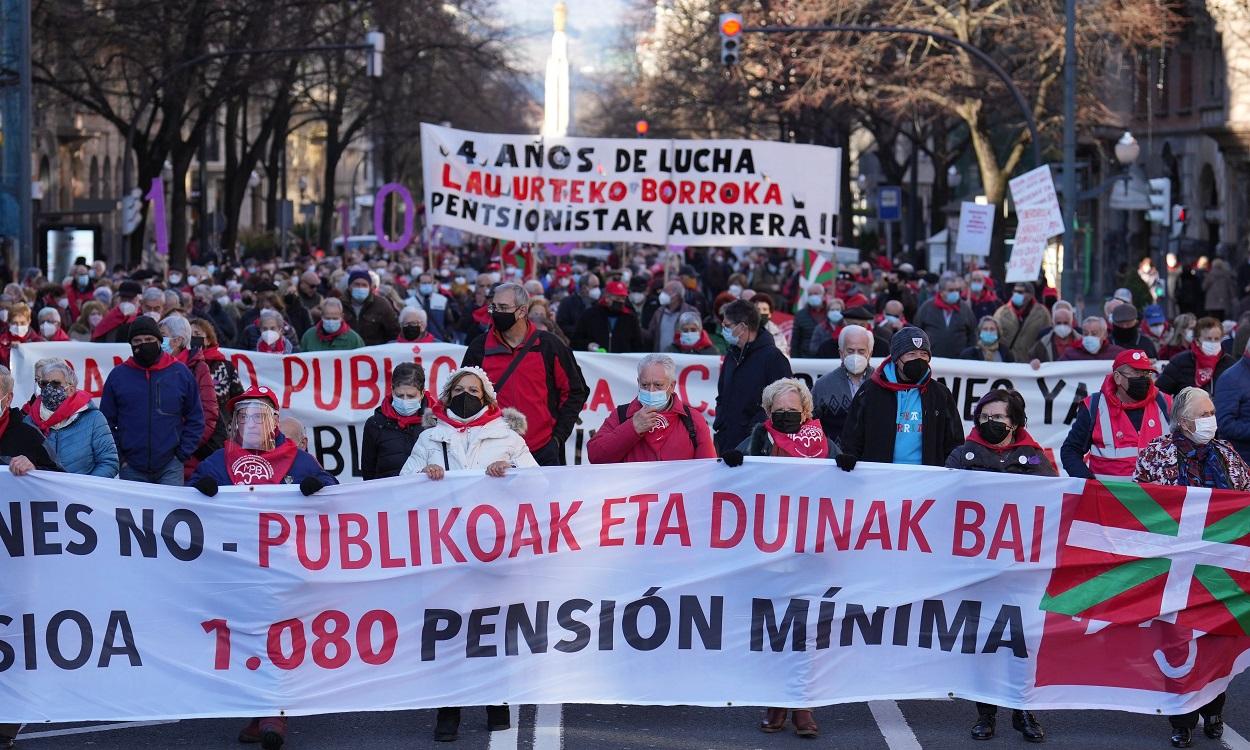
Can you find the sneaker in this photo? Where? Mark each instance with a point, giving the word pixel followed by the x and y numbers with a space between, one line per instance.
pixel 273 732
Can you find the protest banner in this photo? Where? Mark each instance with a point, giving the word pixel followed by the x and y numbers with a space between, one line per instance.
pixel 976 228
pixel 654 191
pixel 1037 207
pixel 333 393
pixel 668 583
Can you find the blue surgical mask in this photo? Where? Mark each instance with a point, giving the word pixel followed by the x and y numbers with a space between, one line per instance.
pixel 165 345
pixel 360 294
pixel 951 297
pixel 892 320
pixel 815 299
pixel 834 316
pixel 976 286
pixel 728 334
pixel 331 326
pixel 689 338
pixel 1017 299
pixel 405 406
pixel 82 279
pixel 653 399
pixel 1091 343
pixel 989 337
pixel 425 289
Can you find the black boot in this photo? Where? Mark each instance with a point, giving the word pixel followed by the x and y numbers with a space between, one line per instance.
pixel 447 726
pixel 497 718
pixel 1213 726
pixel 1182 737
pixel 1025 723
pixel 984 728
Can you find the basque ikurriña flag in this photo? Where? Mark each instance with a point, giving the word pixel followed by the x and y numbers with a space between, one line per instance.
pixel 1131 553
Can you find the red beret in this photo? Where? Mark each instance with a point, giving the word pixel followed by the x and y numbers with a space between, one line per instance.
pixel 617 289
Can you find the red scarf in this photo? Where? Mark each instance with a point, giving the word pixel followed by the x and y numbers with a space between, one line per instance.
pixel 278 347
pixel 212 354
pixel 488 416
pixel 66 409
pixel 58 336
pixel 248 467
pixel 808 442
pixel 388 410
pixel 703 342
pixel 878 377
pixel 1022 439
pixel 669 418
pixel 481 316
pixel 328 337
pixel 942 304
pixel 1022 312
pixel 112 319
pixel 1204 366
pixel 4 421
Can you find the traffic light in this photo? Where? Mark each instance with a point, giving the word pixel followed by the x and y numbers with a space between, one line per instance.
pixel 1160 201
pixel 132 211
pixel 377 42
pixel 1179 214
pixel 730 37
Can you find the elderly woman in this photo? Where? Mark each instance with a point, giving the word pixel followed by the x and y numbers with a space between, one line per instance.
pixel 988 347
pixel 393 429
pixel 1191 456
pixel 89 316
pixel 466 429
pixel 270 324
pixel 414 326
pixel 690 338
pixel 50 329
pixel 792 431
pixel 1199 365
pixel 543 316
pixel 19 331
pixel 226 382
pixel 74 430
pixel 332 333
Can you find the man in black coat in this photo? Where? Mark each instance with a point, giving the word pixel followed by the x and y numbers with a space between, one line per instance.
pixel 752 362
pixel 611 325
pixel 21 445
pixel 902 415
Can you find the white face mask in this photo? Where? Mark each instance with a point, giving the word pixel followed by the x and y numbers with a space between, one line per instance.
pixel 19 330
pixel 1210 348
pixel 1063 330
pixel 735 290
pixel 154 315
pixel 1157 330
pixel 637 297
pixel 47 329
pixel 814 300
pixel 270 336
pixel 665 299
pixel 596 293
pixel 63 303
pixel 855 363
pixel 4 316
pixel 175 278
pixel 1204 430
pixel 223 300
pixel 127 308
pixel 193 280
pixel 1189 336
pixel 94 319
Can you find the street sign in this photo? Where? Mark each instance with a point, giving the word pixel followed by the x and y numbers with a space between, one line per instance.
pixel 889 203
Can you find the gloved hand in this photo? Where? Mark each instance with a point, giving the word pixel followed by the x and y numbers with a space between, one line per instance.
pixel 846 461
pixel 207 486
pixel 310 486
pixel 732 457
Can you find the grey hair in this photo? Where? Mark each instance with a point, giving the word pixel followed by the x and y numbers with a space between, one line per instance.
pixel 152 294
pixel 948 277
pixel 850 330
pixel 173 299
pixel 520 297
pixel 6 381
pixel 268 314
pixel 177 326
pixel 778 387
pixel 689 317
pixel 417 310
pixel 331 302
pixel 663 360
pixel 1063 303
pixel 51 313
pixel 1183 402
pixel 48 364
pixel 1093 319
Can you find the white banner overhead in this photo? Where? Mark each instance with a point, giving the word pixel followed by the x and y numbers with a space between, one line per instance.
pixel 670 583
pixel 659 192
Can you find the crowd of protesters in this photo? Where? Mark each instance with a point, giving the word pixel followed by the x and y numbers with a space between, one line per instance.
pixel 1174 409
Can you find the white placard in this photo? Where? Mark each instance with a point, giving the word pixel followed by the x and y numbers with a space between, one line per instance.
pixel 976 228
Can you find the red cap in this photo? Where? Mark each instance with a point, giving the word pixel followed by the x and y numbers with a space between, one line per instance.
pixel 255 392
pixel 616 289
pixel 1135 358
pixel 564 269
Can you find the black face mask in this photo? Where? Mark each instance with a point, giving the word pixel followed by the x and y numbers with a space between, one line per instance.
pixel 1123 336
pixel 503 321
pixel 411 331
pixel 914 370
pixel 616 308
pixel 146 354
pixel 993 432
pixel 465 405
pixel 764 320
pixel 197 343
pixel 788 422
pixel 1138 387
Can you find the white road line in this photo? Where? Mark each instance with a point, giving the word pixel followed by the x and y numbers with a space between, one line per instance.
pixel 549 727
pixel 96 728
pixel 1234 741
pixel 507 739
pixel 889 717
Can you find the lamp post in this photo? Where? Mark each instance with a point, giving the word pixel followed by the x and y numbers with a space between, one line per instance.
pixel 953 180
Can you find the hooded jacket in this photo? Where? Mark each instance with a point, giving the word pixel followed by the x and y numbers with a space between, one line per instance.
pixel 155 413
pixel 870 428
pixel 476 447
pixel 744 374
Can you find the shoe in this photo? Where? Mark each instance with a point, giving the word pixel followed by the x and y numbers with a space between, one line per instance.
pixel 447 726
pixel 1213 726
pixel 498 718
pixel 984 728
pixel 272 732
pixel 248 735
pixel 1182 738
pixel 805 723
pixel 774 720
pixel 1025 723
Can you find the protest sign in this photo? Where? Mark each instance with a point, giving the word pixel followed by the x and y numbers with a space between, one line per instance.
pixel 976 227
pixel 1037 207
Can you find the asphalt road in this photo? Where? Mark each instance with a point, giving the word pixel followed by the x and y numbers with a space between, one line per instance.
pixel 883 725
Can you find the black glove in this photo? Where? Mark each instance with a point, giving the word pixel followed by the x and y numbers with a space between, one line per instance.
pixel 846 461
pixel 310 486
pixel 732 457
pixel 207 486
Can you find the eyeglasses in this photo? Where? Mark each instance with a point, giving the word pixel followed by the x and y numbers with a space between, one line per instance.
pixel 48 383
pixel 250 418
pixel 1000 418
pixel 503 309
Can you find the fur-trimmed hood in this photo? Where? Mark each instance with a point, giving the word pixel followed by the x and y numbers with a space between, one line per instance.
pixel 514 419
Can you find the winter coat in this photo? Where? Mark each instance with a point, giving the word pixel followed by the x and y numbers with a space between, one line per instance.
pixel 617 442
pixel 155 413
pixel 744 374
pixel 1179 373
pixel 1021 457
pixel 302 467
pixel 977 354
pixel 595 326
pixel 1220 288
pixel 1077 353
pixel 21 438
pixel 831 403
pixel 805 323
pixel 1232 406
pixel 947 339
pixel 211 439
pixel 311 342
pixel 386 446
pixel 377 322
pixel 1159 463
pixel 1020 335
pixel 475 448
pixel 85 445
pixel 870 428
pixel 1044 350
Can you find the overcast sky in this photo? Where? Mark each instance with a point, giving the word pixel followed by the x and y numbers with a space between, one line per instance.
pixel 592 26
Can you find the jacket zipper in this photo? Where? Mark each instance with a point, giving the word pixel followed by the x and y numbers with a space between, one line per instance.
pixel 148 375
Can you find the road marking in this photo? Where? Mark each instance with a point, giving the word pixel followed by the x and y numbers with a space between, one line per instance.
pixel 96 728
pixel 549 727
pixel 893 726
pixel 1234 741
pixel 507 739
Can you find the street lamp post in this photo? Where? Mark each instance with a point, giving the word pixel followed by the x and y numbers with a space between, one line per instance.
pixel 953 180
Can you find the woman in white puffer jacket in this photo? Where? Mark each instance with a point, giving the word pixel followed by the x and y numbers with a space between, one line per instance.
pixel 466 429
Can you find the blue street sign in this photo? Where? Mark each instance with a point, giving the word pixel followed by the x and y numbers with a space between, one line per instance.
pixel 889 203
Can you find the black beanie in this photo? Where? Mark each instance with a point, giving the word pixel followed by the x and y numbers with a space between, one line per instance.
pixel 143 326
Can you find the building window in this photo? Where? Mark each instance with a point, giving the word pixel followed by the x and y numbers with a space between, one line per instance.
pixel 1185 82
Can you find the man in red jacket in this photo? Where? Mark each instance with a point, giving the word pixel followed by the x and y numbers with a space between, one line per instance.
pixel 655 425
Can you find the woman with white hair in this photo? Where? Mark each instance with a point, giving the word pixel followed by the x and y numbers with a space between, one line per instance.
pixel 74 429
pixel 50 328
pixel 270 324
pixel 690 336
pixel 414 326
pixel 1191 456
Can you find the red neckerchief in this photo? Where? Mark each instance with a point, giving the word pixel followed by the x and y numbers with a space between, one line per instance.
pixel 1109 391
pixel 112 319
pixel 987 295
pixel 1022 439
pixel 481 316
pixel 440 411
pixel 388 410
pixel 70 406
pixel 878 377
pixel 212 354
pixel 808 442
pixel 1204 366
pixel 703 342
pixel 278 347
pixel 328 337
pixel 248 467
pixel 1022 312
pixel 30 337
pixel 942 304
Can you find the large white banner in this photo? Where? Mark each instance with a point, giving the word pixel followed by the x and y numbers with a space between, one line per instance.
pixel 673 583
pixel 658 192
pixel 333 393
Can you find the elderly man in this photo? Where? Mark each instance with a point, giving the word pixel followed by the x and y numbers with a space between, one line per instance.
pixel 434 303
pixel 332 333
pixel 293 429
pixel 1061 337
pixel 368 314
pixel 1021 321
pixel 1094 344
pixel 833 393
pixel 655 425
pixel 662 331
pixel 152 303
pixel 890 323
pixel 413 326
pixel 1126 331
pixel 814 311
pixel 752 362
pixel 49 319
pixel 1114 424
pixel 948 319
pixel 308 290
pixel 21 444
pixel 575 305
pixel 611 325
pixel 113 328
pixel 176 341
